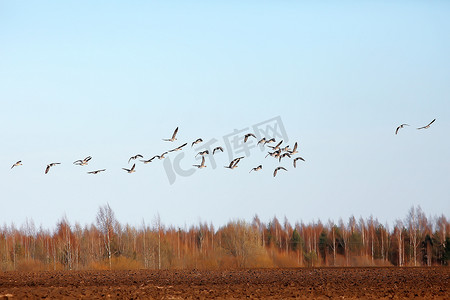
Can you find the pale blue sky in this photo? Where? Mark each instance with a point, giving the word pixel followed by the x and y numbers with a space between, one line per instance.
pixel 111 79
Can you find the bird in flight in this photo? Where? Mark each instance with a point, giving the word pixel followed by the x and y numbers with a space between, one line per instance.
pixel 178 148
pixel 247 136
pixel 262 141
pixel 275 154
pixel 97 171
pixel 135 157
pixel 257 168
pixel 284 155
pixel 295 161
pixel 150 160
pixel 173 136
pixel 277 146
pixel 19 163
pixel 49 166
pixel 276 171
pixel 202 153
pixel 233 163
pixel 202 165
pixel 295 149
pixel 162 155
pixel 217 149
pixel 286 149
pixel 272 140
pixel 427 126
pixel 82 162
pixel 401 126
pixel 196 142
pixel 132 170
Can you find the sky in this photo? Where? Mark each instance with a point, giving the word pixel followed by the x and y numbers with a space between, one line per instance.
pixel 111 79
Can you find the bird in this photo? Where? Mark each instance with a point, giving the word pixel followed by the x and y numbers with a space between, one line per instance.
pixel 82 162
pixel 276 170
pixel 135 157
pixel 247 136
pixel 178 148
pixel 286 149
pixel 199 140
pixel 284 155
pixel 217 149
pixel 19 163
pixel 401 126
pixel 162 155
pixel 275 154
pixel 97 171
pixel 202 165
pixel 427 126
pixel 262 141
pixel 272 140
pixel 295 161
pixel 257 168
pixel 202 153
pixel 132 170
pixel 233 163
pixel 277 146
pixel 49 166
pixel 149 160
pixel 173 136
pixel 294 150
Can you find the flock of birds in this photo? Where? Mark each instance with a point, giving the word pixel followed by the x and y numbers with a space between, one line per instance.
pixel 423 127
pixel 278 152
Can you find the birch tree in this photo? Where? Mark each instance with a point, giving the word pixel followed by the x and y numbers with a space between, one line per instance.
pixel 106 221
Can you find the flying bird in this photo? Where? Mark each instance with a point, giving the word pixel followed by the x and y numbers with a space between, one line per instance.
pixel 19 163
pixel 217 149
pixel 82 162
pixel 49 166
pixel 202 165
pixel 275 154
pixel 276 171
pixel 178 148
pixel 257 168
pixel 295 161
pixel 202 153
pixel 162 155
pixel 196 142
pixel 262 141
pixel 132 170
pixel 294 151
pixel 284 155
pixel 149 160
pixel 277 146
pixel 135 157
pixel 427 126
pixel 233 163
pixel 247 136
pixel 286 149
pixel 401 126
pixel 173 136
pixel 272 140
pixel 97 171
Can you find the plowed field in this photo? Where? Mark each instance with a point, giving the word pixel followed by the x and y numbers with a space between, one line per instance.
pixel 320 283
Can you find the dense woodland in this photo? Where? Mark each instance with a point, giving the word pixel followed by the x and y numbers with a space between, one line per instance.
pixel 416 240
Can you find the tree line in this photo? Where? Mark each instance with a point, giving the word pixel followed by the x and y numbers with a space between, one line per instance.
pixel 107 244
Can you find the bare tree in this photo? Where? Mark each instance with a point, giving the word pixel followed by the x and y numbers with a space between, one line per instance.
pixel 399 234
pixel 332 227
pixel 157 224
pixel 241 241
pixel 106 222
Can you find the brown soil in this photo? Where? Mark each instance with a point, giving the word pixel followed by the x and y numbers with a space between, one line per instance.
pixel 321 283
